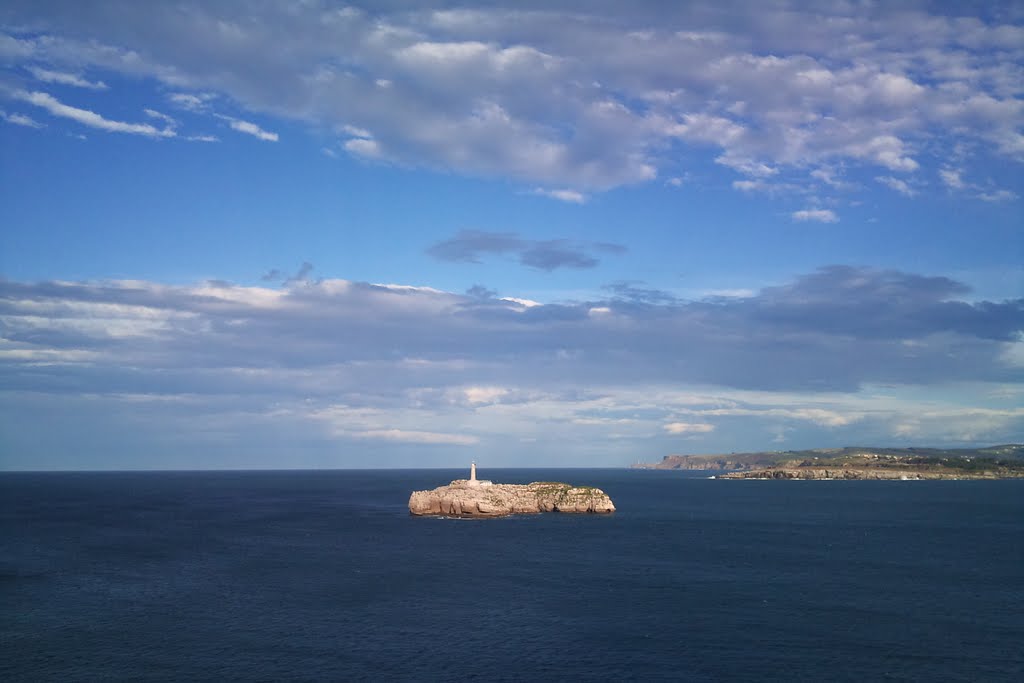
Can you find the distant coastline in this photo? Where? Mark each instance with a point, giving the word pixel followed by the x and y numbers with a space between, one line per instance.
pixel 855 462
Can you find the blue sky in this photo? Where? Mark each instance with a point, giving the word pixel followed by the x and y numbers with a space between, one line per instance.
pixel 261 234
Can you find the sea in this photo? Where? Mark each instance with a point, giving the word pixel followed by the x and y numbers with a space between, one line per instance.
pixel 324 575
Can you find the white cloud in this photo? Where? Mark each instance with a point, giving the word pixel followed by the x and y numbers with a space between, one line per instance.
pixel 37 357
pixel 952 425
pixel 249 128
pixel 565 195
pixel 20 120
pixel 15 48
pixel 61 78
pixel 998 196
pixel 815 215
pixel 952 178
pixel 898 185
pixel 885 150
pixel 828 176
pixel 525 303
pixel 689 428
pixel 820 416
pixel 603 421
pixel 356 132
pixel 189 101
pixel 1014 356
pixel 750 185
pixel 406 436
pixel 828 418
pixel 484 395
pixel 707 128
pixel 735 293
pixel 154 114
pixel 896 90
pixel 363 148
pixel 89 118
pixel 407 288
pixel 748 167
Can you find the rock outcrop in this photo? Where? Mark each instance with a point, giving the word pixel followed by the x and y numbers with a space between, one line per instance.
pixel 465 498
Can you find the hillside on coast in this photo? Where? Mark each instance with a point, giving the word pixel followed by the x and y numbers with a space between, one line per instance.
pixel 856 462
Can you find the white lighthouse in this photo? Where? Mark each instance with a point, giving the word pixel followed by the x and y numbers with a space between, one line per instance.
pixel 473 481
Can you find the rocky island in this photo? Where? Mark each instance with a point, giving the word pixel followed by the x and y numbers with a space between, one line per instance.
pixel 480 498
pixel 994 462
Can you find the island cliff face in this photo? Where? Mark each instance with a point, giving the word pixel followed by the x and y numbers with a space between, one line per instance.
pixel 468 498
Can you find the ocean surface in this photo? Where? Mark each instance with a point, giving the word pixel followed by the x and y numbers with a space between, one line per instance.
pixel 323 575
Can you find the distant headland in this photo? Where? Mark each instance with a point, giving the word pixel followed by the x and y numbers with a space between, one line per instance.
pixel 481 498
pixel 992 462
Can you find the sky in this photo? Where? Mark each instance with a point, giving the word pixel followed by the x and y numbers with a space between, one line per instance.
pixel 323 235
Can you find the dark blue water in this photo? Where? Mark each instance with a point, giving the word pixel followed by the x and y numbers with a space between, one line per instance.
pixel 325 576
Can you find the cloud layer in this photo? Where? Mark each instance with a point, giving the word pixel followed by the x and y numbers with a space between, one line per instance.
pixel 577 99
pixel 361 363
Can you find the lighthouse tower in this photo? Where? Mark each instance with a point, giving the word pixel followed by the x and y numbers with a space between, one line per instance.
pixel 473 481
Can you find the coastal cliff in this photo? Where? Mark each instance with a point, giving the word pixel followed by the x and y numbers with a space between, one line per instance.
pixel 742 461
pixel 823 473
pixel 468 498
pixel 993 462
